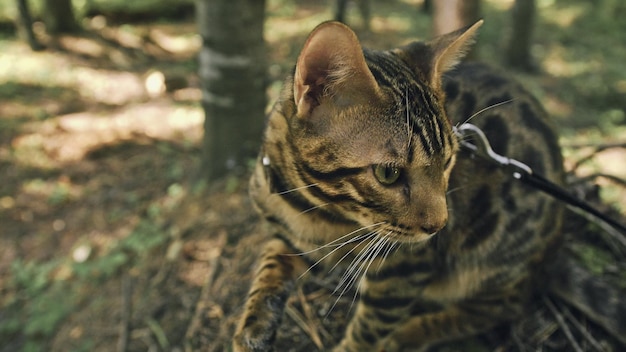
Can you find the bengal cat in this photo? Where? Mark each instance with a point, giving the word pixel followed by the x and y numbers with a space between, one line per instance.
pixel 361 168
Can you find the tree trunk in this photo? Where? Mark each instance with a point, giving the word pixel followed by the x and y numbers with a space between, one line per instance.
pixel 233 75
pixel 58 15
pixel 364 8
pixel 450 15
pixel 427 6
pixel 518 51
pixel 25 26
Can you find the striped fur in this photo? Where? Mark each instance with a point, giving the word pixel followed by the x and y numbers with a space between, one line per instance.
pixel 348 116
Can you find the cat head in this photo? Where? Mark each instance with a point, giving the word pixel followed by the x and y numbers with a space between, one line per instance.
pixel 369 128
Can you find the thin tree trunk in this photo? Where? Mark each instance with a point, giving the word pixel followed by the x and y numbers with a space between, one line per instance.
pixel 233 75
pixel 58 15
pixel 25 26
pixel 340 8
pixel 450 15
pixel 427 6
pixel 518 51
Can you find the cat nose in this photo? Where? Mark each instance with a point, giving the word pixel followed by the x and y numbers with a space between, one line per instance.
pixel 433 222
pixel 432 227
pixel 432 214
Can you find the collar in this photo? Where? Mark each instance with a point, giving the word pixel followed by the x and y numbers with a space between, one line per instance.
pixel 270 175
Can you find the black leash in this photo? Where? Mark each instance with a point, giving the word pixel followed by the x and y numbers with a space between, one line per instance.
pixel 473 138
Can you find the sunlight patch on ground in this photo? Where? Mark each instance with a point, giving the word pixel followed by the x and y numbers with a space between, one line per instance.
pixel 613 162
pixel 278 30
pixel 400 25
pixel 563 17
pixel 77 134
pixel 557 107
pixel 83 46
pixel 556 64
pixel 108 87
pixel 176 44
pixel 501 5
pixel 19 64
pixel 53 70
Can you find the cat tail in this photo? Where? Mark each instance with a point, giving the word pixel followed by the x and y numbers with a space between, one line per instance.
pixel 592 295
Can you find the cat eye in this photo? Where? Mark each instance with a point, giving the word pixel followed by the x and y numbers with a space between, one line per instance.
pixel 386 174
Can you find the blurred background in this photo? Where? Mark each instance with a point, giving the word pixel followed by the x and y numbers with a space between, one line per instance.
pixel 128 128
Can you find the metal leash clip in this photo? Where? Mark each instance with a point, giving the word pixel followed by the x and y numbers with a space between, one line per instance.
pixel 469 133
pixel 473 139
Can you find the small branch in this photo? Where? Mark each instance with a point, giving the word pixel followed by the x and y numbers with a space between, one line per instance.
pixel 598 146
pixel 618 180
pixel 124 326
pixel 615 239
pixel 520 345
pixel 596 345
pixel 308 313
pixel 597 149
pixel 300 321
pixel 615 179
pixel 159 333
pixel 561 321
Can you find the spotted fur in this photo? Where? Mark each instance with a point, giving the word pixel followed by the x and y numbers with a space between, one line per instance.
pixel 360 169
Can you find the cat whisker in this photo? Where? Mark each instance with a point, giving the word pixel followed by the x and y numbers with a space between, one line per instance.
pixel 313 208
pixel 339 246
pixel 353 271
pixel 367 237
pixel 359 237
pixel 339 241
pixel 390 247
pixel 380 245
pixel 374 250
pixel 343 278
pixel 367 255
pixel 297 189
pixel 456 189
pixel 485 109
pixel 355 267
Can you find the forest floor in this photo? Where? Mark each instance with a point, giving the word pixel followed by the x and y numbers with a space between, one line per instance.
pixel 104 247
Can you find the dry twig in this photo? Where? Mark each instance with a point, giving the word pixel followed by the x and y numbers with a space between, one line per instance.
pixel 561 321
pixel 596 345
pixel 615 239
pixel 598 146
pixel 308 312
pixel 124 326
pixel 157 330
pixel 612 178
pixel 308 326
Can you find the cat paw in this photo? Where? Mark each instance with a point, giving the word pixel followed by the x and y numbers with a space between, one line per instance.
pixel 252 339
pixel 257 328
pixel 257 332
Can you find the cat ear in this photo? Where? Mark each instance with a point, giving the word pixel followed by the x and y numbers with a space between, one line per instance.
pixel 442 53
pixel 450 48
pixel 331 65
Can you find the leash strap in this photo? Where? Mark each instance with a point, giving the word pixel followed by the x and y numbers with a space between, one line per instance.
pixel 473 138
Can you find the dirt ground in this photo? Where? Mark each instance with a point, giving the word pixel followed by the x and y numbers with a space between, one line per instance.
pixel 105 247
